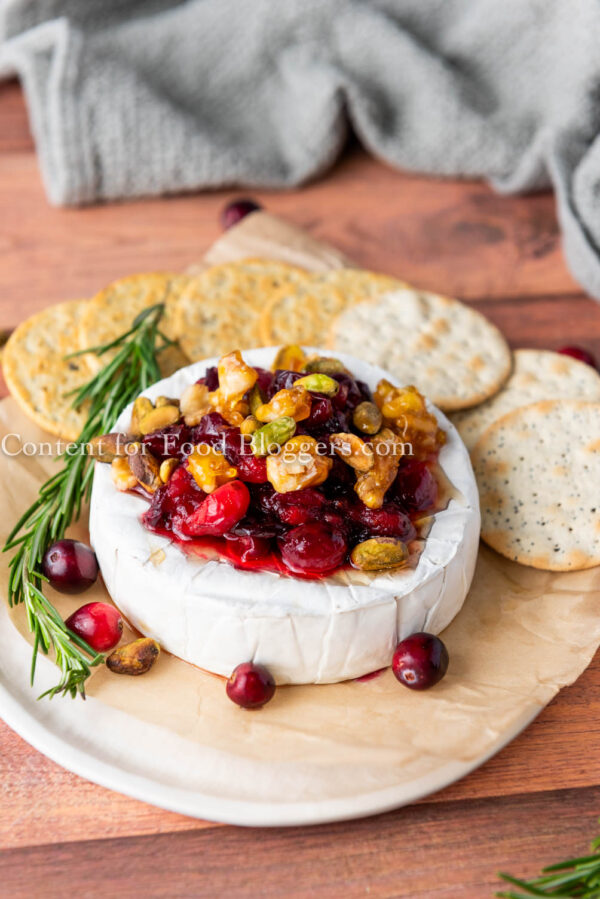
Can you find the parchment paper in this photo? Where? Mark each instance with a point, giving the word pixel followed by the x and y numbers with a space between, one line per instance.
pixel 521 636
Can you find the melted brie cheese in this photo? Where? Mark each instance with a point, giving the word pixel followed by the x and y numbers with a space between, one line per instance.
pixel 215 616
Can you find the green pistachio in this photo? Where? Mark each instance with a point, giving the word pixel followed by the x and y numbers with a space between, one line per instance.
pixel 325 365
pixel 367 418
pixel 318 383
pixel 378 553
pixel 272 435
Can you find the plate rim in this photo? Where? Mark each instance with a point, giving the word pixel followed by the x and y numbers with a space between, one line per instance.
pixel 239 812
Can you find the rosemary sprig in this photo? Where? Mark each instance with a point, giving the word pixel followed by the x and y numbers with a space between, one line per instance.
pixel 131 370
pixel 576 878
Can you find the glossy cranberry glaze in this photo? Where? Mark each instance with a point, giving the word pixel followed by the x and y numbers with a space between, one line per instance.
pixel 307 533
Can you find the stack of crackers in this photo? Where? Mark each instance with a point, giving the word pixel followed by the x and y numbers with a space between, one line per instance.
pixel 530 419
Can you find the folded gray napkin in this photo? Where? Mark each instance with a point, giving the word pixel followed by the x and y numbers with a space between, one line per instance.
pixel 129 98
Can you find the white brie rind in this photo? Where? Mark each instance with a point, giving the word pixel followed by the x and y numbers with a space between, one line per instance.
pixel 334 629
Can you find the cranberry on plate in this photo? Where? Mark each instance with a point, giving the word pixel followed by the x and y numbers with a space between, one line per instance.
pixel 70 566
pixel 420 661
pixel 250 686
pixel 578 352
pixel 235 211
pixel 98 623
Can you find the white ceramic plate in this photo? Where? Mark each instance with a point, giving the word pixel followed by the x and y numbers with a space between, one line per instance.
pixel 84 738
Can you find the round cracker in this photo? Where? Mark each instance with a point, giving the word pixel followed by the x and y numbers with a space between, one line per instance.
pixel 538 471
pixel 37 373
pixel 220 308
pixel 537 375
pixel 452 353
pixel 112 311
pixel 303 312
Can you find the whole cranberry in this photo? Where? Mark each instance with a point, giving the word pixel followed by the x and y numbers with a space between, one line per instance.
pixel 283 380
pixel 349 395
pixel 172 441
pixel 265 379
pixel 70 566
pixel 98 623
pixel 219 512
pixel 250 686
pixel 415 487
pixel 321 410
pixel 297 507
pixel 578 352
pixel 420 661
pixel 388 521
pixel 313 549
pixel 235 211
pixel 211 378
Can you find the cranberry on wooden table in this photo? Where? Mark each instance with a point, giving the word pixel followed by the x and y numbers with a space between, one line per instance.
pixel 235 211
pixel 578 352
pixel 70 566
pixel 250 686
pixel 98 623
pixel 420 661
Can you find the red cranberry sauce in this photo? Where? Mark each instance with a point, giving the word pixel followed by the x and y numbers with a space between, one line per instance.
pixel 307 533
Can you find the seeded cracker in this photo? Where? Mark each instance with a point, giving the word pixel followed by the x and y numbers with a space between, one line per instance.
pixel 538 473
pixel 220 308
pixel 37 373
pixel 303 312
pixel 537 375
pixel 451 353
pixel 112 311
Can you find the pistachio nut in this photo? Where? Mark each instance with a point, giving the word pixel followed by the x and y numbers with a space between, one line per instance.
pixel 272 435
pixel 107 447
pixel 318 383
pixel 134 658
pixel 367 418
pixel 378 553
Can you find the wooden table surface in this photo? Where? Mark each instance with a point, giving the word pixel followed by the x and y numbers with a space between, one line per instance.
pixel 534 802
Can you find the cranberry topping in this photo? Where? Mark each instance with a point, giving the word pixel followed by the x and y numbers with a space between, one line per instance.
pixel 420 661
pixel 388 521
pixel 265 379
pixel 415 487
pixel 283 380
pixel 218 512
pixel 172 441
pixel 321 411
pixel 299 507
pixel 246 548
pixel 173 503
pixel 235 211
pixel 313 549
pixel 250 686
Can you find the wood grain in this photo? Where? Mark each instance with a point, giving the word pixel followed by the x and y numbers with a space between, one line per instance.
pixel 402 855
pixel 536 800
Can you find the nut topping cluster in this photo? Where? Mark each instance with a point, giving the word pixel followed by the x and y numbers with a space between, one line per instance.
pixel 300 469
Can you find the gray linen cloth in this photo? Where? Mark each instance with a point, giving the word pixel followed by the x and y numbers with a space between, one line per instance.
pixel 133 98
